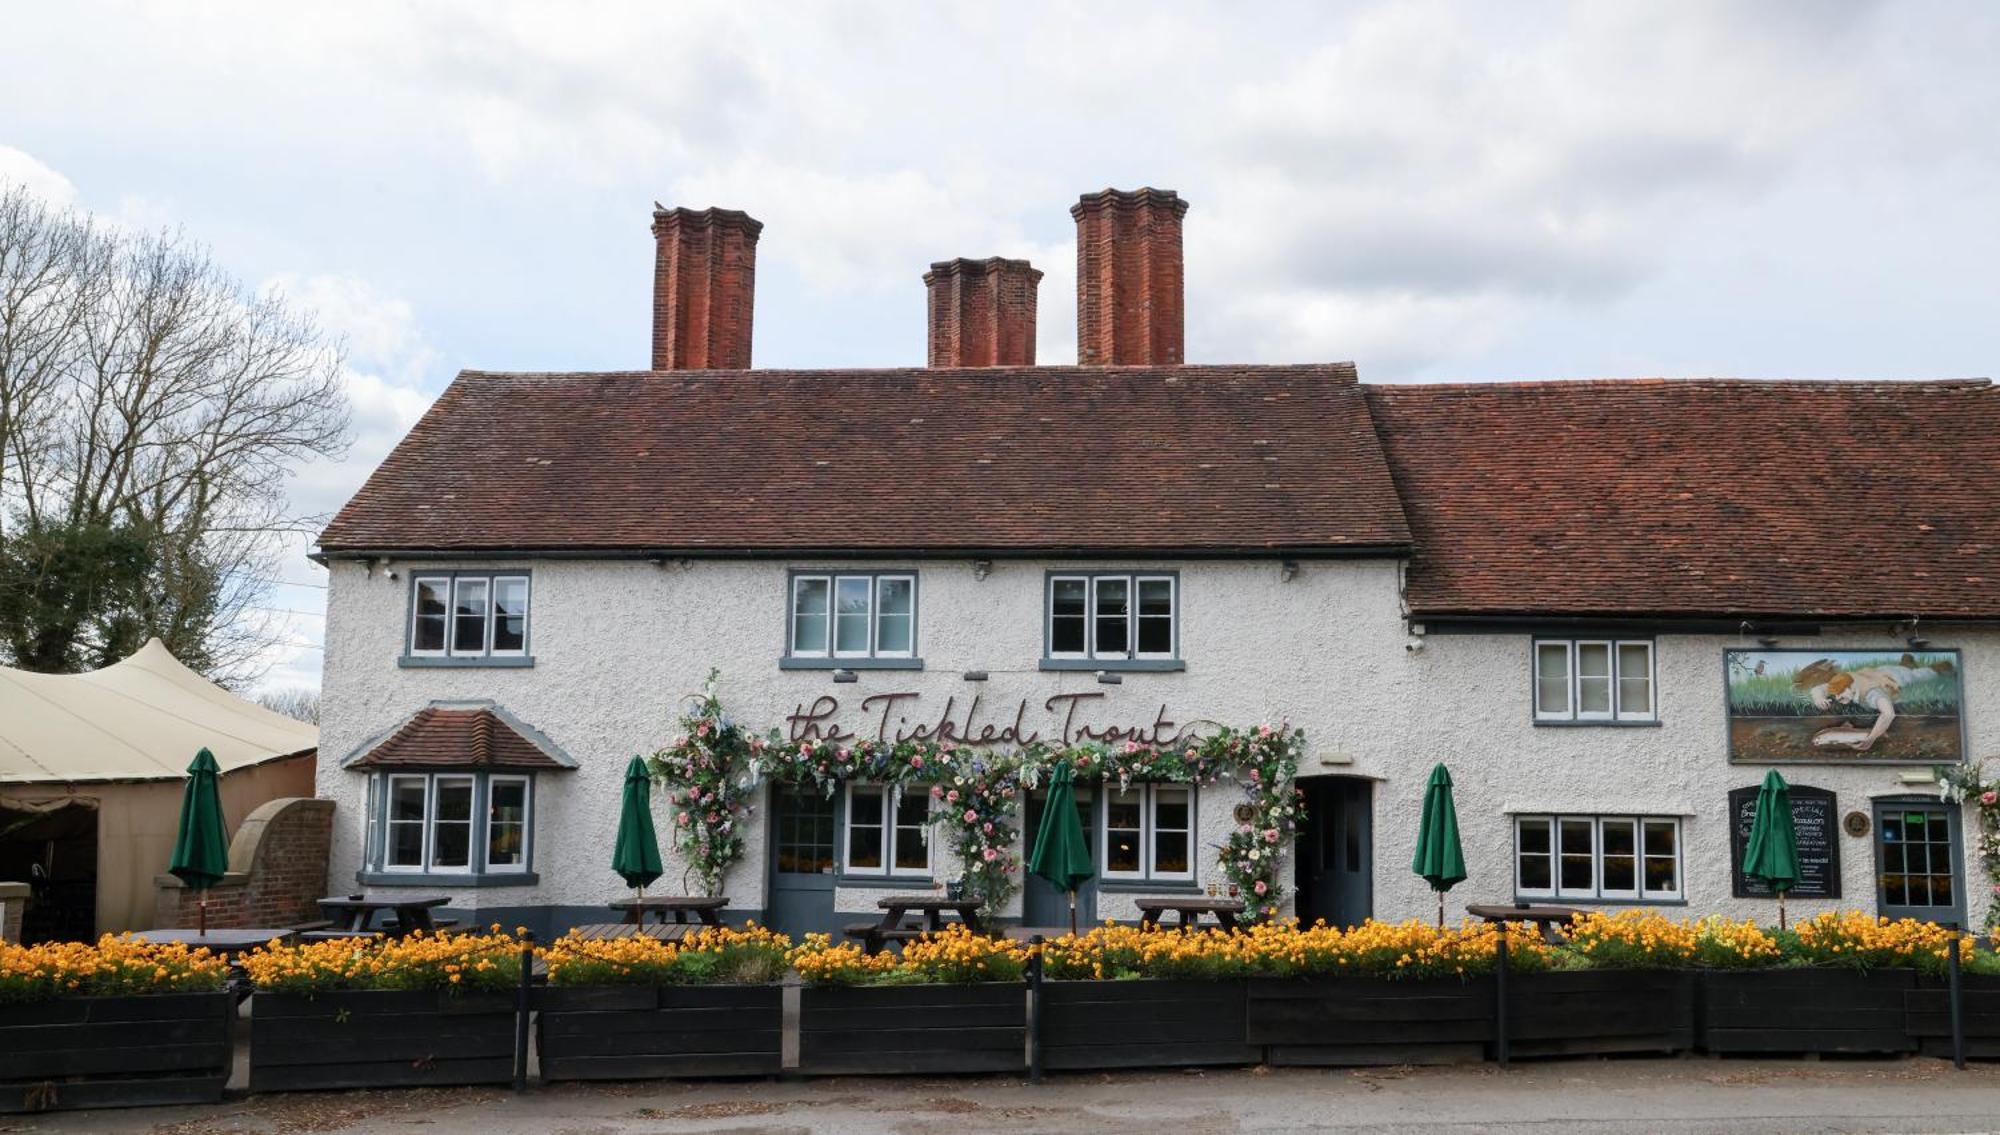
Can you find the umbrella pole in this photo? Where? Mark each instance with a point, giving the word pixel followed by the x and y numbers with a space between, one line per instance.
pixel 201 915
pixel 1781 910
pixel 1072 913
pixel 1440 896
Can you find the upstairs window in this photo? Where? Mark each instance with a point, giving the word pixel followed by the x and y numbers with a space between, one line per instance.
pixel 1113 617
pixel 469 615
pixel 859 615
pixel 1587 680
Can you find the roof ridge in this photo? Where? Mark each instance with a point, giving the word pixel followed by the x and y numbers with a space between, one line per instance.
pixel 1690 381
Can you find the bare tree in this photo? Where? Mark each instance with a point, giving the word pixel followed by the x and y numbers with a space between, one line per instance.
pixel 294 701
pixel 145 398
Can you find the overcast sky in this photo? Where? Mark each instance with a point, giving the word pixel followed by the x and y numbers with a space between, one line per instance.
pixel 1435 191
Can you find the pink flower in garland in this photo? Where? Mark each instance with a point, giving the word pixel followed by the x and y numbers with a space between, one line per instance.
pixel 1989 798
pixel 937 791
pixel 1261 887
pixel 1270 835
pixel 951 797
pixel 971 817
pixel 989 855
pixel 701 730
pixel 917 761
pixel 684 817
pixel 987 827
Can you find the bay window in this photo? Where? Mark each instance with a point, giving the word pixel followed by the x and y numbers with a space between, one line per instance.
pixel 450 823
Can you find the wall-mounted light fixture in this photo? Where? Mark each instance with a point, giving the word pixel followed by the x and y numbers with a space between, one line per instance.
pixel 981 569
pixel 1916 640
pixel 1288 570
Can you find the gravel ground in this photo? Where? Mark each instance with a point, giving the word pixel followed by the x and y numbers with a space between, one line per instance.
pixel 1616 1097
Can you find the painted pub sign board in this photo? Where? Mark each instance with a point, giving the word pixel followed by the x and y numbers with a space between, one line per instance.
pixel 1844 706
pixel 1815 822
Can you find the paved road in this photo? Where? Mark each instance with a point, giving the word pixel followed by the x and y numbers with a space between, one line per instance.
pixel 1614 1097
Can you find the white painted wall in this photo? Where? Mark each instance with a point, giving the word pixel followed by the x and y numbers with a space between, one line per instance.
pixel 619 644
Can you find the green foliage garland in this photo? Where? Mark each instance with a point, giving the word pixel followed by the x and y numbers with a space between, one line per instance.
pixel 714 768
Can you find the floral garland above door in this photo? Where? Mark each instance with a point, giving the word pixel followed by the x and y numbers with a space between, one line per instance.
pixel 714 769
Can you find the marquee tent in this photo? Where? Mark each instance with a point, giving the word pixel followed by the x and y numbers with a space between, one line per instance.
pixel 90 778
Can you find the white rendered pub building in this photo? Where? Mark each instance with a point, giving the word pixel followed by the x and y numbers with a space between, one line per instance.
pixel 1606 606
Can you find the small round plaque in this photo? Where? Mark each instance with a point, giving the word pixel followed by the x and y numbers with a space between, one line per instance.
pixel 1855 823
pixel 1245 813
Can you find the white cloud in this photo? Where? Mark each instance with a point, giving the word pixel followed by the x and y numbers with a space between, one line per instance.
pixel 18 167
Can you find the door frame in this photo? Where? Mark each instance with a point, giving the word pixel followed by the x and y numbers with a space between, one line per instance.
pixel 1955 831
pixel 1366 786
pixel 832 887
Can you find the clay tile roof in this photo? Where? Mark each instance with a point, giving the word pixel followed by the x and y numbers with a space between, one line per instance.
pixel 468 738
pixel 1699 497
pixel 1246 459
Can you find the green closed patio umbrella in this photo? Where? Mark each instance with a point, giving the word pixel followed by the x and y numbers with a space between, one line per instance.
pixel 1772 851
pixel 1439 858
pixel 637 856
pixel 201 852
pixel 1061 855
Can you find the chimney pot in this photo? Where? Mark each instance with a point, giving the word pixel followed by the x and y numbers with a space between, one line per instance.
pixel 704 287
pixel 982 312
pixel 1129 308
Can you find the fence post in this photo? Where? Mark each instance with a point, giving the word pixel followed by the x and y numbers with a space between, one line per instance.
pixel 1957 1009
pixel 1035 1011
pixel 523 1006
pixel 1500 997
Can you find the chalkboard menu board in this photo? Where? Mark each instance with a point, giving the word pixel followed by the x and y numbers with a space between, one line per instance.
pixel 1816 823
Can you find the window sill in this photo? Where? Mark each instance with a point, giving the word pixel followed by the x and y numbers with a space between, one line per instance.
pixel 444 880
pixel 1552 900
pixel 1116 665
pixel 1146 887
pixel 1552 724
pixel 424 662
pixel 888 882
pixel 789 663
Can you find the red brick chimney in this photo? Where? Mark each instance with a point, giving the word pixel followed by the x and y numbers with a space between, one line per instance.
pixel 1128 278
pixel 704 280
pixel 982 312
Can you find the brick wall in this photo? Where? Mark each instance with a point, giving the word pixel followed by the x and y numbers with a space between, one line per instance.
pixel 13 905
pixel 277 870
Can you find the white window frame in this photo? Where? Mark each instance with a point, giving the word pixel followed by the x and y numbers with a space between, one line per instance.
pixel 1597 891
pixel 1149 817
pixel 493 613
pixel 486 863
pixel 451 581
pixel 416 610
pixel 892 795
pixel 1572 651
pixel 389 824
pixel 833 580
pixel 1132 581
pixel 472 825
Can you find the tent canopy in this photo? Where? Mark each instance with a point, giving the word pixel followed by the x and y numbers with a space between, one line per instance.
pixel 139 719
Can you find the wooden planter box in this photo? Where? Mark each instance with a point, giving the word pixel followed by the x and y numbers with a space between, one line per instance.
pixel 380 1038
pixel 135 1051
pixel 869 1029
pixel 1927 1015
pixel 1368 1021
pixel 1142 1024
pixel 1821 1010
pixel 1590 1012
pixel 632 1032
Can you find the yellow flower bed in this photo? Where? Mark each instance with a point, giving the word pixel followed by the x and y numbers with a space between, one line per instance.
pixel 710 956
pixel 1395 950
pixel 420 961
pixel 1866 941
pixel 956 955
pixel 115 965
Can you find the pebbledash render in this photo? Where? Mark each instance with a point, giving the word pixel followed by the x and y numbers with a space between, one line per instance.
pixel 1607 606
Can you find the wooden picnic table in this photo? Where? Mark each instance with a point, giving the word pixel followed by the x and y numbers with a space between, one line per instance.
pixel 355 913
pixel 874 935
pixel 227 943
pixel 1190 908
pixel 1548 916
pixel 610 931
pixel 707 907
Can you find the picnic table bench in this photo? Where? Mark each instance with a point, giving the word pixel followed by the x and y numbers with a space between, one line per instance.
pixel 1546 915
pixel 356 913
pixel 1189 908
pixel 706 907
pixel 891 928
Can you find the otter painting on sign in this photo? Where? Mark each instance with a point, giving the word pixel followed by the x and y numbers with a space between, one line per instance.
pixel 1844 706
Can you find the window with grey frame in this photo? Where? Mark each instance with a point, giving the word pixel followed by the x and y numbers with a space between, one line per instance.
pixel 1594 680
pixel 468 616
pixel 1112 617
pixel 1148 833
pixel 445 823
pixel 1628 858
pixel 841 618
